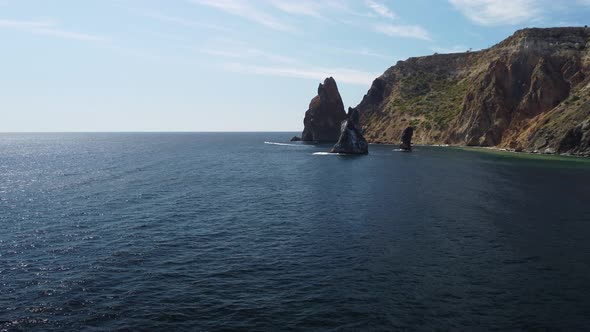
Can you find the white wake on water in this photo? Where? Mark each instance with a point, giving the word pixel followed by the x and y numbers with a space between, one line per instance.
pixel 328 154
pixel 282 144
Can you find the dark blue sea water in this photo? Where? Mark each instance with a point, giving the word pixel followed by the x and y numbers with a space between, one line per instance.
pixel 212 231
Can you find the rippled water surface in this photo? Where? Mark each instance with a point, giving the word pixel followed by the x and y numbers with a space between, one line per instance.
pixel 218 231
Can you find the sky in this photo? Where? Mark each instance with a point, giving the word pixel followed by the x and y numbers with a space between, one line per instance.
pixel 226 65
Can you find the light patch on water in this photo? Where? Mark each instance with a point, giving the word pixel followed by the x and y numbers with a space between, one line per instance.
pixel 282 144
pixel 328 154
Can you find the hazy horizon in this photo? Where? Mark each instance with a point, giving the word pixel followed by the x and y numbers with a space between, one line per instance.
pixel 149 131
pixel 226 66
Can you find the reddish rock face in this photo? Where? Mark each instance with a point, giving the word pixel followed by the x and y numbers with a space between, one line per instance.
pixel 510 93
pixel 325 114
pixel 530 92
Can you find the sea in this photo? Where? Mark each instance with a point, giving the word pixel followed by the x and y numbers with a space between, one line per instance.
pixel 250 232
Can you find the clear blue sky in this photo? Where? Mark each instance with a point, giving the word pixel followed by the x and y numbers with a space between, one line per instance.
pixel 225 65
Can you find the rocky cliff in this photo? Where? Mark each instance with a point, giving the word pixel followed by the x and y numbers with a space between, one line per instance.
pixel 530 92
pixel 325 114
pixel 351 139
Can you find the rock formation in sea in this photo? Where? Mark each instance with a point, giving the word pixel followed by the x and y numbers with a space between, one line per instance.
pixel 406 144
pixel 351 139
pixel 530 92
pixel 295 139
pixel 325 114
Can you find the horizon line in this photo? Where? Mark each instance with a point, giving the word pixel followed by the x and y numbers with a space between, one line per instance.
pixel 149 131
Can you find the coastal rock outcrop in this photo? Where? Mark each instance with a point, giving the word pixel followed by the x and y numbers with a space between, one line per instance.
pixel 406 144
pixel 325 114
pixel 295 139
pixel 351 139
pixel 530 92
pixel 576 140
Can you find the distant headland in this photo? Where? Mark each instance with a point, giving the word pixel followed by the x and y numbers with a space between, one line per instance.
pixel 530 92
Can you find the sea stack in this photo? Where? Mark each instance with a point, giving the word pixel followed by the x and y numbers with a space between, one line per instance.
pixel 351 139
pixel 325 114
pixel 407 139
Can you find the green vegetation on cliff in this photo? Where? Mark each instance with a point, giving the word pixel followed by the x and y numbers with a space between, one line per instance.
pixel 530 92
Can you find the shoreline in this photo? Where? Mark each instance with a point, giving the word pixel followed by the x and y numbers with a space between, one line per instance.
pixel 497 149
pixel 538 155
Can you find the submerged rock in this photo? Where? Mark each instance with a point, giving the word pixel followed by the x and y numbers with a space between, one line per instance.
pixel 325 113
pixel 351 139
pixel 407 139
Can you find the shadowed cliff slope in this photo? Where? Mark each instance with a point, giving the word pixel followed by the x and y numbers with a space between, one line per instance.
pixel 530 92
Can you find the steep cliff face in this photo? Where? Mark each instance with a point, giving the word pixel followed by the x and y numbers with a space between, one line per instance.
pixel 325 114
pixel 530 92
